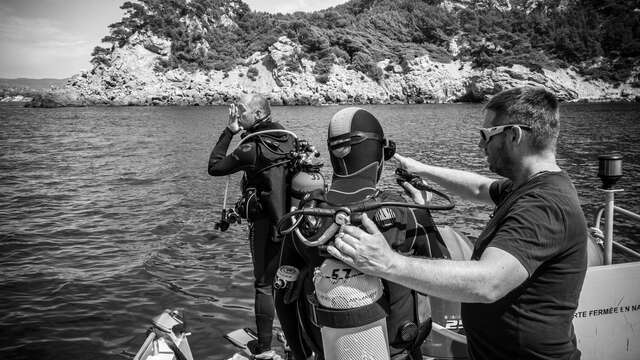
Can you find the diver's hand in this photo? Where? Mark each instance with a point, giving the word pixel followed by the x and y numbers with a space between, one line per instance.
pixel 403 162
pixel 367 251
pixel 234 116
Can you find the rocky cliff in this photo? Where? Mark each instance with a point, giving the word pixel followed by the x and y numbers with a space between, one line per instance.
pixel 132 80
pixel 204 52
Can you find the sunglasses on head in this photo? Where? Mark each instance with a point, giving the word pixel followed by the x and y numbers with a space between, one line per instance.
pixel 487 133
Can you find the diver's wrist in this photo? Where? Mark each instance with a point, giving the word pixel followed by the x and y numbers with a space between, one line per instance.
pixel 233 132
pixel 393 266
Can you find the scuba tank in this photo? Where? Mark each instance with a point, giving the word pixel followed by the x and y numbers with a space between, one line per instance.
pixel 306 176
pixel 306 180
pixel 353 324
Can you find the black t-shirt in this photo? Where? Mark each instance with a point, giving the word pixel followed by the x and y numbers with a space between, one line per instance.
pixel 546 231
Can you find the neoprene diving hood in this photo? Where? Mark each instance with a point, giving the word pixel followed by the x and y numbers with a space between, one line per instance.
pixel 356 140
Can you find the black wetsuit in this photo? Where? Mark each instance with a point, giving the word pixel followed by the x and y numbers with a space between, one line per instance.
pixel 256 157
pixel 412 232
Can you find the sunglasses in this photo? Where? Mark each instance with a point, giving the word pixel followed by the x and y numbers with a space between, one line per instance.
pixel 487 133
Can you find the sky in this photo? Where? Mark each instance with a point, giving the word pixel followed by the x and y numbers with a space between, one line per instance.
pixel 55 38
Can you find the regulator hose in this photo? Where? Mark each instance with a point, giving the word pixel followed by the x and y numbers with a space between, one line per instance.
pixel 342 216
pixel 271 131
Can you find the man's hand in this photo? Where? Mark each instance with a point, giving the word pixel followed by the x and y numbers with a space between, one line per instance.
pixel 403 162
pixel 367 251
pixel 234 116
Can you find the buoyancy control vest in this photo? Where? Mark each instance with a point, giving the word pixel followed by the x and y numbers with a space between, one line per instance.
pixel 264 185
pixel 282 169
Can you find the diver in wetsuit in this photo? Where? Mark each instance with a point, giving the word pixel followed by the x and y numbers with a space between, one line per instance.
pixel 264 197
pixel 357 149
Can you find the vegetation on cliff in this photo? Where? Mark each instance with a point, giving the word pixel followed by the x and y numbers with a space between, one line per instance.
pixel 600 38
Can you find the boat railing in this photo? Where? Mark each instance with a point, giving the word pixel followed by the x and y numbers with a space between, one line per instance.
pixel 610 171
pixel 626 213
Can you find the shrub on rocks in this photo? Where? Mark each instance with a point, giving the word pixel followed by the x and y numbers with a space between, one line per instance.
pixel 323 79
pixel 252 73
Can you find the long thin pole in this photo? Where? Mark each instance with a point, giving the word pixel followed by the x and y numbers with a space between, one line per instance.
pixel 226 189
pixel 608 235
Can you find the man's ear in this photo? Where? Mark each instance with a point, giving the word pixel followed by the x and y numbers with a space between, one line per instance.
pixel 257 115
pixel 517 134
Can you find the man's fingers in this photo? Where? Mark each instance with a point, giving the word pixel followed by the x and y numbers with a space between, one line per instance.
pixel 352 230
pixel 357 233
pixel 400 161
pixel 336 254
pixel 371 227
pixel 348 240
pixel 344 246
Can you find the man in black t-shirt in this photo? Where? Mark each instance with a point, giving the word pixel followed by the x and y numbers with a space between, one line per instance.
pixel 521 287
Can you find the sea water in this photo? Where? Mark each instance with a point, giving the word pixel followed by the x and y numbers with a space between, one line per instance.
pixel 107 213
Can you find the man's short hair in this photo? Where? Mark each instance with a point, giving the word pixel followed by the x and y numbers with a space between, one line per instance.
pixel 257 102
pixel 533 106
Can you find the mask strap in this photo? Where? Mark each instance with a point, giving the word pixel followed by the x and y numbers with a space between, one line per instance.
pixel 348 139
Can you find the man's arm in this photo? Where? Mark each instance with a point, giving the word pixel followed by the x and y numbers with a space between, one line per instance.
pixel 219 162
pixel 485 280
pixel 466 184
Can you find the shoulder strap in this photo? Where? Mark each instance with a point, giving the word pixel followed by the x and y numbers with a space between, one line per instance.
pixel 419 226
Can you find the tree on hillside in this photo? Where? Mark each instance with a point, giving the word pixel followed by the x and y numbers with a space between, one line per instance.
pixel 217 34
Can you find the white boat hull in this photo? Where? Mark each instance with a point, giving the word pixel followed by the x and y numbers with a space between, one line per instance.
pixel 607 321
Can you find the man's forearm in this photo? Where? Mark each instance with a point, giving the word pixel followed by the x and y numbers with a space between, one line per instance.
pixel 466 184
pixel 216 166
pixel 464 281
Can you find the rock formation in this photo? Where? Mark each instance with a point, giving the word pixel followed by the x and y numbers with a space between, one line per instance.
pixel 134 79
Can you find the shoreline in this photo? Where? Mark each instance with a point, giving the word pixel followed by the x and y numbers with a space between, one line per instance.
pixel 114 105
